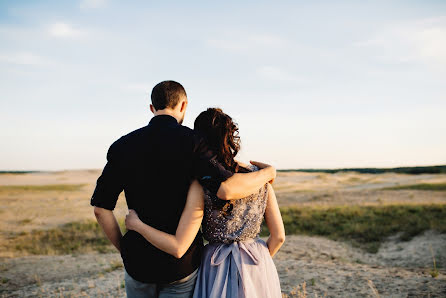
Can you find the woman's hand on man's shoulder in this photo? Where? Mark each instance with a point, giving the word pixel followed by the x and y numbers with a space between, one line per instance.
pixel 263 166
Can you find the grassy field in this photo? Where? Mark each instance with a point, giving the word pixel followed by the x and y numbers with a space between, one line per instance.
pixel 364 226
pixel 421 186
pixel 363 209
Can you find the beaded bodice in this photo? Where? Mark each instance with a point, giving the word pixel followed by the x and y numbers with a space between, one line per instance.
pixel 234 220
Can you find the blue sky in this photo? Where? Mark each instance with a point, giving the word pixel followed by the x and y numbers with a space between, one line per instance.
pixel 311 83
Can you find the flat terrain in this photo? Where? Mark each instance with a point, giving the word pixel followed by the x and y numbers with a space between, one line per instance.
pixel 349 188
pixel 37 202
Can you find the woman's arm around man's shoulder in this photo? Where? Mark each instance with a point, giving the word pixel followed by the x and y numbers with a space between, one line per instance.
pixel 241 185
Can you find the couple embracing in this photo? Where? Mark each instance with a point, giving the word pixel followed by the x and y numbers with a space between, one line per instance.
pixel 175 180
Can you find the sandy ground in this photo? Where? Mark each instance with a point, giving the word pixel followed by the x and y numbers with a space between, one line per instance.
pixel 399 269
pixel 328 268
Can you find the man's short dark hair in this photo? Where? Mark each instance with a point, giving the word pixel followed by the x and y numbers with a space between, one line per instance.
pixel 167 94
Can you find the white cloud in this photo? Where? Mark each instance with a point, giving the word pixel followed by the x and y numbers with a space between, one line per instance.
pixel 420 41
pixel 24 58
pixel 277 74
pixel 63 30
pixel 89 4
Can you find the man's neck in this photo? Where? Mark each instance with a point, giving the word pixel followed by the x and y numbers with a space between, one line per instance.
pixel 167 112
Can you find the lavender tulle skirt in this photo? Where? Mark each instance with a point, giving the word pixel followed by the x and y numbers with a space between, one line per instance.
pixel 239 269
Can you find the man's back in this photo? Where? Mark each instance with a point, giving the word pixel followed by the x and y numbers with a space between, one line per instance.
pixel 154 165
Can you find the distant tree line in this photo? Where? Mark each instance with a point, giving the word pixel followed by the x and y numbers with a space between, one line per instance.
pixel 401 170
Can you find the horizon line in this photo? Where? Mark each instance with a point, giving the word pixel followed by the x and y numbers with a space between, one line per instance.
pixel 281 169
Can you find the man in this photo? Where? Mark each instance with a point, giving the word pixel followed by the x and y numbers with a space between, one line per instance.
pixel 155 165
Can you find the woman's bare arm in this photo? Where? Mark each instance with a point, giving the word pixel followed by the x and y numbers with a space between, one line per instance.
pixel 187 229
pixel 274 222
pixel 241 185
pixel 242 164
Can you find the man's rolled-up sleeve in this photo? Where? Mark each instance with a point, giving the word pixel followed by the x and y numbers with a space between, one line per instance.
pixel 209 172
pixel 109 185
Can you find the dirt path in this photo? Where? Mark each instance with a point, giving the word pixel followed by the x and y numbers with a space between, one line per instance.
pixel 335 269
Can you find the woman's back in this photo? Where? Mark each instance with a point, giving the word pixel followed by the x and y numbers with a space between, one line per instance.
pixel 236 220
pixel 235 263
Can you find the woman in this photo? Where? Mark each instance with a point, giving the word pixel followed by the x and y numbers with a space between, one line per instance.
pixel 235 263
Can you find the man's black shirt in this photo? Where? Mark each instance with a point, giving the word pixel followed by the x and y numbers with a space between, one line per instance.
pixel 155 165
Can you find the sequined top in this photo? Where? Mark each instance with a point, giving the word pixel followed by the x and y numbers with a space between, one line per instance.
pixel 234 220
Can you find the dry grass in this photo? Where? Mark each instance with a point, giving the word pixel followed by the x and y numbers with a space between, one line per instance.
pixel 41 188
pixel 434 272
pixel 75 237
pixel 373 288
pixel 114 266
pixel 300 291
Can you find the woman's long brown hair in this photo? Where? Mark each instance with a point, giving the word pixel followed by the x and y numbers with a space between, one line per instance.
pixel 221 134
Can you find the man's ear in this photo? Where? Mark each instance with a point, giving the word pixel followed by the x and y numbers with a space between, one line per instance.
pixel 152 108
pixel 183 106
